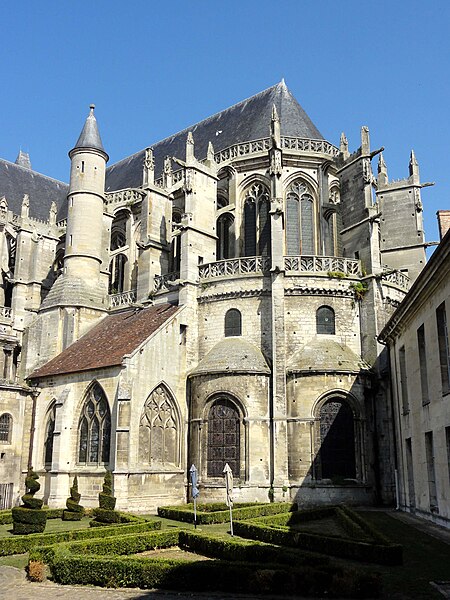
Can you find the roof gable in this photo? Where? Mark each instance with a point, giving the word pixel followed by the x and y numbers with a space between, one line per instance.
pixel 248 120
pixel 106 344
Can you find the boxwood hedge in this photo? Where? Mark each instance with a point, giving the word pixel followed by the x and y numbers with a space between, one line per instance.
pixel 208 514
pixel 212 575
pixel 20 544
pixel 364 544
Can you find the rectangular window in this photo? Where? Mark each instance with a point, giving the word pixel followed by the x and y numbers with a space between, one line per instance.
pixel 403 379
pixel 423 364
pixel 444 351
pixel 410 474
pixel 429 450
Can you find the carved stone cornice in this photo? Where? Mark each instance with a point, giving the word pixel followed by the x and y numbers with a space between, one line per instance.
pixel 316 291
pixel 232 295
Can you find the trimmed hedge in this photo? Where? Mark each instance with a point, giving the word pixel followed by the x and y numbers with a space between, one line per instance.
pixel 208 514
pixel 377 550
pixel 247 551
pixel 235 577
pixel 29 518
pixel 21 544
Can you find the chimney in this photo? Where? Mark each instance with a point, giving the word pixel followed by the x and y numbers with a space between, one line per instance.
pixel 443 217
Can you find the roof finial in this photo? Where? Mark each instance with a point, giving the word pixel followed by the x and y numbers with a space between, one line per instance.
pixel 413 164
pixel 343 146
pixel 190 147
pixel 90 136
pixel 382 170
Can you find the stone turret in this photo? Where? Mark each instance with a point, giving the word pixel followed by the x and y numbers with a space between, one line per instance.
pixel 85 201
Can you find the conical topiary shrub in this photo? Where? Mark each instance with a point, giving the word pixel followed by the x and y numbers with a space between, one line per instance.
pixel 74 510
pixel 29 518
pixel 105 514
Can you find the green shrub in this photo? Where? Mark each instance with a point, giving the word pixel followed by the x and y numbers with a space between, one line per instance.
pixel 74 510
pixel 232 577
pixel 105 514
pixel 29 518
pixel 279 533
pixel 21 544
pixel 220 513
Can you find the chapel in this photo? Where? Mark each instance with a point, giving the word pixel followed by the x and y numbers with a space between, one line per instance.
pixel 214 298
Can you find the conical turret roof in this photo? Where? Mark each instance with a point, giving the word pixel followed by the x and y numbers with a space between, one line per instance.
pixel 90 136
pixel 243 122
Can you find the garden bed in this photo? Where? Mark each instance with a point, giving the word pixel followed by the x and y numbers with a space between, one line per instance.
pixel 361 542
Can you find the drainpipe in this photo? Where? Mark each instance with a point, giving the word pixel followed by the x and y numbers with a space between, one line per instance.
pixel 35 391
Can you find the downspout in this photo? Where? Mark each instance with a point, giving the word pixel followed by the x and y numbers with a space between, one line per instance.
pixel 35 391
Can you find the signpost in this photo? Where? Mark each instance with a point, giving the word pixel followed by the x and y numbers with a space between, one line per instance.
pixel 194 491
pixel 228 474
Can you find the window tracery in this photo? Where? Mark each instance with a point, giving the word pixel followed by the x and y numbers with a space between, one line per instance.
pixel 300 233
pixel 159 430
pixel 337 440
pixel 94 428
pixel 224 238
pixel 257 220
pixel 49 433
pixel 223 438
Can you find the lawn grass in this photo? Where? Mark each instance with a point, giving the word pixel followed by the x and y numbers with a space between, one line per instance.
pixel 52 526
pixel 425 559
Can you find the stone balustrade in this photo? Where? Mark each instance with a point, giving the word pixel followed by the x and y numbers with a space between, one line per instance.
pixel 6 313
pixel 165 282
pixel 234 266
pixel 122 299
pixel 125 197
pixel 322 264
pixel 397 278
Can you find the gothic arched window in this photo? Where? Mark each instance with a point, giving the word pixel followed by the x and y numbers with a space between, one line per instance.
pixel 233 323
pixel 257 221
pixel 300 234
pixel 223 438
pixel 224 237
pixel 6 423
pixel 117 274
pixel 159 430
pixel 94 428
pixel 337 440
pixel 325 320
pixel 48 441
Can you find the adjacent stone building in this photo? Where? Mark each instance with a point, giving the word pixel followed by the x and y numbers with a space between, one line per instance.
pixel 418 339
pixel 206 304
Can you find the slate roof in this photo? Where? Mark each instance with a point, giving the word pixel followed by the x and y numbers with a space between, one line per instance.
pixel 322 355
pixel 15 181
pixel 248 120
pixel 90 136
pixel 232 355
pixel 106 344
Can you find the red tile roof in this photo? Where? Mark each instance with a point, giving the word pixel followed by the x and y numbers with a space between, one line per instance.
pixel 107 343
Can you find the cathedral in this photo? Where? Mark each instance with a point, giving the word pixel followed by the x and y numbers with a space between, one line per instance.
pixel 214 298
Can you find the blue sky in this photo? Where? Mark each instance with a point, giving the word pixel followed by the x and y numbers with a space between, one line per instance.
pixel 153 68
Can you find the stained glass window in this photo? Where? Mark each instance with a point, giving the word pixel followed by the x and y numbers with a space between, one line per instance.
pixel 223 438
pixel 337 437
pixel 94 428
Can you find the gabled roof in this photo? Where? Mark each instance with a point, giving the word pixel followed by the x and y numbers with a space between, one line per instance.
pixel 16 180
pixel 106 344
pixel 248 120
pixel 232 355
